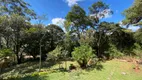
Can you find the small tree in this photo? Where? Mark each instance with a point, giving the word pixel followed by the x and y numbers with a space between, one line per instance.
pixel 55 54
pixel 82 55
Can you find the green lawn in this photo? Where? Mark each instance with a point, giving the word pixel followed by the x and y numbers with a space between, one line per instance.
pixel 111 70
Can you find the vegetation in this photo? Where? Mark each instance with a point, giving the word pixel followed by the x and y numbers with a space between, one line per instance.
pixel 82 55
pixel 84 38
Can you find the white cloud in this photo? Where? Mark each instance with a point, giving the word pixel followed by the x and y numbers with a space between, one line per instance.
pixel 72 2
pixel 104 14
pixel 133 28
pixel 59 22
pixel 107 13
pixel 120 23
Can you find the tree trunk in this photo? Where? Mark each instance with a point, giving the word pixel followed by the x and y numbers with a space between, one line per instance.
pixel 18 59
pixel 17 54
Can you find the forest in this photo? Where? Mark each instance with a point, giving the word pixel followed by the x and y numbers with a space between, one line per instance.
pixel 86 42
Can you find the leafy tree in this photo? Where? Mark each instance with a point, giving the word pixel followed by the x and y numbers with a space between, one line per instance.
pixel 125 40
pixel 133 14
pixel 56 35
pixel 82 54
pixel 77 16
pixel 18 24
pixel 56 53
pixel 68 39
pixel 97 12
pixel 32 39
pixel 12 31
pixel 19 7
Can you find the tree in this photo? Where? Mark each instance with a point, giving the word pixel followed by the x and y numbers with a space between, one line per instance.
pixel 133 14
pixel 82 54
pixel 68 39
pixel 77 16
pixel 125 41
pixel 56 35
pixel 19 7
pixel 18 24
pixel 32 39
pixel 97 12
pixel 5 32
pixel 13 32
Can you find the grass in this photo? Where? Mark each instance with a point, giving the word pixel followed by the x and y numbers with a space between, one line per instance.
pixel 111 70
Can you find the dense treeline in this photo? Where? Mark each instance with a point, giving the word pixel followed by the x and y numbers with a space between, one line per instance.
pixel 85 36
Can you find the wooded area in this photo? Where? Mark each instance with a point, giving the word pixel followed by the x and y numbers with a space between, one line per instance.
pixel 84 38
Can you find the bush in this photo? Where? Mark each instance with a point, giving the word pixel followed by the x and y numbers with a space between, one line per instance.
pixel 82 55
pixel 137 50
pixel 113 52
pixel 6 52
pixel 55 54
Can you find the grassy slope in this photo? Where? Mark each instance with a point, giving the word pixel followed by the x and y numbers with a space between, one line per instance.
pixel 112 70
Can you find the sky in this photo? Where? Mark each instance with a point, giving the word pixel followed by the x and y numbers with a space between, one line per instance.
pixel 56 10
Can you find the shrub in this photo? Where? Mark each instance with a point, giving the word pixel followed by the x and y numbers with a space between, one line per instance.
pixel 55 54
pixel 82 55
pixel 137 50
pixel 113 52
pixel 6 52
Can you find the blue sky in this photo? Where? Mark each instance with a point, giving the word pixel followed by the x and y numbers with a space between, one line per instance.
pixel 56 10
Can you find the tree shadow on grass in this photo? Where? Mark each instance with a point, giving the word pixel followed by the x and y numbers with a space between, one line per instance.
pixel 34 78
pixel 98 66
pixel 25 68
pixel 29 77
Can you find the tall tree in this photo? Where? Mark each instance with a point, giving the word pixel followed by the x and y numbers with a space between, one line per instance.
pixel 32 40
pixel 18 24
pixel 97 12
pixel 56 35
pixel 12 32
pixel 77 16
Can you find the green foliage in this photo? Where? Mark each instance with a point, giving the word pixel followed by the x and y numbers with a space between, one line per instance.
pixel 56 53
pixel 113 52
pixel 137 50
pixel 82 54
pixel 125 40
pixel 77 16
pixel 31 30
pixel 97 12
pixel 133 14
pixel 19 7
pixel 56 35
pixel 138 36
pixel 6 52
